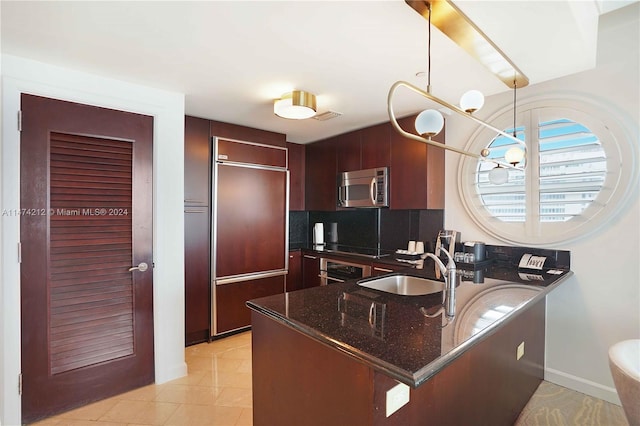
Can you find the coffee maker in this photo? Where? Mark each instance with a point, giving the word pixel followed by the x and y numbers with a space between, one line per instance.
pixel 447 239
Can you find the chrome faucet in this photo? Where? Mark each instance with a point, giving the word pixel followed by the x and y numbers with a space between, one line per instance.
pixel 450 281
pixel 449 271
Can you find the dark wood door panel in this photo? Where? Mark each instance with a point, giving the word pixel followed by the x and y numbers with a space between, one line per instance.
pixel 251 220
pixel 231 309
pixel 86 319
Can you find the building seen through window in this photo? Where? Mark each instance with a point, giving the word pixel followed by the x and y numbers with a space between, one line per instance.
pixel 570 168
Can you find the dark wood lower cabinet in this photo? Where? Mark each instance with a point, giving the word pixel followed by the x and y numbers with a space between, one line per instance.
pixel 294 277
pixel 297 380
pixel 231 310
pixel 310 271
pixel 197 273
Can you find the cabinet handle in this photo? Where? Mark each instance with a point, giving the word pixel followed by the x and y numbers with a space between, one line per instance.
pixel 373 190
pixel 310 257
pixel 375 268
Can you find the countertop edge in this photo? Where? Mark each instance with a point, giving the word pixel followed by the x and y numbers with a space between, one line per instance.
pixel 435 366
pixel 374 362
pixel 429 370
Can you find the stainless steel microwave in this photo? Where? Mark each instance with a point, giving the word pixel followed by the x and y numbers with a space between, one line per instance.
pixel 364 188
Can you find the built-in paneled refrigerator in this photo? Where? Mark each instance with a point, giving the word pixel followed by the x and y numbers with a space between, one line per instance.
pixel 249 229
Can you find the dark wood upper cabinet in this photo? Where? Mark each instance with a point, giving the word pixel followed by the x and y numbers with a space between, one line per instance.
pixel 416 170
pixel 197 160
pixel 296 176
pixel 348 151
pixel 376 146
pixel 321 175
pixel 249 153
pixel 242 133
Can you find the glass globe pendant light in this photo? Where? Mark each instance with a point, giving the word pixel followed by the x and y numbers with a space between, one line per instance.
pixel 498 175
pixel 429 123
pixel 471 101
pixel 514 155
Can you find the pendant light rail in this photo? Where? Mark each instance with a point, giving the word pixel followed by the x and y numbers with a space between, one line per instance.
pixel 396 125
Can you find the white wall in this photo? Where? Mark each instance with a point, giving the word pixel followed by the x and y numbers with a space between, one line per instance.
pixel 26 76
pixel 600 305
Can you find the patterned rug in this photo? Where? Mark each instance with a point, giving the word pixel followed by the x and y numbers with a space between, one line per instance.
pixel 553 405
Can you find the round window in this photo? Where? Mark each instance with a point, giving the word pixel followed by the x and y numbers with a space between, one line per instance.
pixel 576 172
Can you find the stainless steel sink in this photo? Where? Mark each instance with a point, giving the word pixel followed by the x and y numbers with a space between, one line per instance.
pixel 405 285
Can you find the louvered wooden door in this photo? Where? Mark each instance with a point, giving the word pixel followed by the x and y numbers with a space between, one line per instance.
pixel 86 200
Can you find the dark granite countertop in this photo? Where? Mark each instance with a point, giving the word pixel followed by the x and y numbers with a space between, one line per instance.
pixel 391 334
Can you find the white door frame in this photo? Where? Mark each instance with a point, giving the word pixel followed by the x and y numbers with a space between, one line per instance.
pixel 21 75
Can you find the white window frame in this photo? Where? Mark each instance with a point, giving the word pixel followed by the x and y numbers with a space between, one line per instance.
pixel 619 140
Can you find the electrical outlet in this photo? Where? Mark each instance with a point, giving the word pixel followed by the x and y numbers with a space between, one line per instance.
pixel 397 397
pixel 520 351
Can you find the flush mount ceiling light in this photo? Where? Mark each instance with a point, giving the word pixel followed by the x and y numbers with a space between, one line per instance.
pixel 453 23
pixel 296 105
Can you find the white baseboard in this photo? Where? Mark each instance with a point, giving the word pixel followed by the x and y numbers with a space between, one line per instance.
pixel 581 385
pixel 178 370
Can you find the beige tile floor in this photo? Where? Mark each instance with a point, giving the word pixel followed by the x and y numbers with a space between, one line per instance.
pixel 217 391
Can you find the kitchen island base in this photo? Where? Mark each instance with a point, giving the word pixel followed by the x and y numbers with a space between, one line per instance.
pixel 299 380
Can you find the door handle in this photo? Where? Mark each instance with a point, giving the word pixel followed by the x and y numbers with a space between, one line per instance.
pixel 141 267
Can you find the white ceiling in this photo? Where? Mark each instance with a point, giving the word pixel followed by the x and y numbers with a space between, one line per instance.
pixel 232 58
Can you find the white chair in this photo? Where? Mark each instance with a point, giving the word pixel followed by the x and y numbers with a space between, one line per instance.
pixel 624 362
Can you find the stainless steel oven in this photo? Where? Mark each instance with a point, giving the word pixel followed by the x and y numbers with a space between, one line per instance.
pixel 332 271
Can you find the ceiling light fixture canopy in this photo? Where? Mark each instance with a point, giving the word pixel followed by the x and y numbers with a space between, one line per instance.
pixel 295 105
pixel 430 122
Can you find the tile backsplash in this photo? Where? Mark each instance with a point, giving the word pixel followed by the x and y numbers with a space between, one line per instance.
pixel 298 229
pixel 372 228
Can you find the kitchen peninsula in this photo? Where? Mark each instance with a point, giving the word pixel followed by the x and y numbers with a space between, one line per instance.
pixel 343 354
